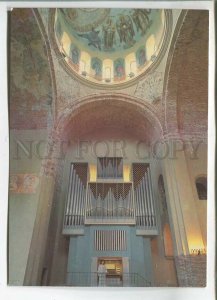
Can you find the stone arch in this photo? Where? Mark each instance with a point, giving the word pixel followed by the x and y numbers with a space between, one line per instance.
pixel 140 107
pixel 106 99
pixel 52 168
pixel 185 90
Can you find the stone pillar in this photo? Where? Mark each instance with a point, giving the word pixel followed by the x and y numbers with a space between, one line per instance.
pixel 38 243
pixel 191 270
pixel 183 216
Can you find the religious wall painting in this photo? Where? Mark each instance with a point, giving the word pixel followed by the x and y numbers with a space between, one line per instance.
pixel 119 69
pixel 74 57
pixel 141 20
pixel 23 183
pixel 106 30
pixel 92 38
pixel 141 57
pixel 125 31
pixel 83 19
pixel 109 34
pixel 96 65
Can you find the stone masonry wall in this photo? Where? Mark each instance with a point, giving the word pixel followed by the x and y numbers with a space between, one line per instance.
pixel 191 270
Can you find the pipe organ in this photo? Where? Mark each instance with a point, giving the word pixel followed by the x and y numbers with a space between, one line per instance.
pixel 144 200
pixel 110 200
pixel 110 167
pixel 75 206
pixel 110 240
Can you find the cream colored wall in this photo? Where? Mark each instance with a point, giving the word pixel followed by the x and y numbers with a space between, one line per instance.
pixel 198 167
pixel 188 225
pixel 22 207
pixel 163 267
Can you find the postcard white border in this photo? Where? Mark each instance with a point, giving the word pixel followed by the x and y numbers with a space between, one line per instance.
pixel 57 293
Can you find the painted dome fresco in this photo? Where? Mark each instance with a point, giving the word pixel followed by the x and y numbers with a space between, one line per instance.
pixel 110 46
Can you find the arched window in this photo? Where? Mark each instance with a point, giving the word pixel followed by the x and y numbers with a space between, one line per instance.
pixel 201 185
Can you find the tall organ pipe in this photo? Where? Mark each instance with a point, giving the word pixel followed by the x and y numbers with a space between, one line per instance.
pixel 145 202
pixel 152 198
pixel 73 184
pixel 66 222
pixel 148 200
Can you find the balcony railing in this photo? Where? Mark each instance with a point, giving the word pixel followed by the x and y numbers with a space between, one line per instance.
pixel 87 279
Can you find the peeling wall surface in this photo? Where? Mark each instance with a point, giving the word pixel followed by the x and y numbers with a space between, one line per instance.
pixel 30 80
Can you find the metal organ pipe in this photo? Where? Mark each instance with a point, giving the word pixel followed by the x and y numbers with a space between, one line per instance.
pixel 140 204
pixel 149 200
pixel 132 204
pixel 67 211
pixel 80 206
pixel 90 202
pixel 73 197
pixel 70 197
pixel 136 202
pixel 126 201
pixel 145 203
pixel 86 207
pixel 76 201
pixel 93 203
pixel 152 198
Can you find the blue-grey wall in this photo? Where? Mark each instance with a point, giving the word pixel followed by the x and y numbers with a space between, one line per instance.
pixel 81 251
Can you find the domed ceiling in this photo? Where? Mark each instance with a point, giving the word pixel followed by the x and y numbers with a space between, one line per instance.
pixel 110 46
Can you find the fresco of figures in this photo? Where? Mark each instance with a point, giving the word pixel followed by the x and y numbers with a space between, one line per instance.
pixel 119 69
pixel 96 65
pixel 111 30
pixel 75 57
pixel 111 45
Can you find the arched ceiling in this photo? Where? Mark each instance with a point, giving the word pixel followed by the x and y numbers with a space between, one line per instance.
pixel 30 81
pixel 118 120
pixel 110 46
pixel 187 89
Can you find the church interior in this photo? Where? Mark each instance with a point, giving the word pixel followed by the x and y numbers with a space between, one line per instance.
pixel 108 111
